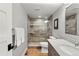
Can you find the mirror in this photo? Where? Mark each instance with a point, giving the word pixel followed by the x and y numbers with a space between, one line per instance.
pixel 72 19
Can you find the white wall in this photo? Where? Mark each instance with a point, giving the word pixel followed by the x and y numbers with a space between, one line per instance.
pixel 60 14
pixel 60 32
pixel 20 20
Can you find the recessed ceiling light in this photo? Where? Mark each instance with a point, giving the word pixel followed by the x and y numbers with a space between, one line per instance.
pixel 39 16
pixel 46 21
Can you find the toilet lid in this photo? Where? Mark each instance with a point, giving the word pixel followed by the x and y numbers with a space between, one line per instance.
pixel 44 43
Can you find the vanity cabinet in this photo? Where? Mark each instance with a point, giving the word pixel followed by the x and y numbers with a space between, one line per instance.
pixel 51 50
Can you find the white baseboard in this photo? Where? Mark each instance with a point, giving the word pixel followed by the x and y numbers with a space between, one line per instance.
pixel 23 54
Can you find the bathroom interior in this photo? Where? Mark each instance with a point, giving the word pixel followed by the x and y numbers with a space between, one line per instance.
pixel 39 29
pixel 52 30
pixel 56 34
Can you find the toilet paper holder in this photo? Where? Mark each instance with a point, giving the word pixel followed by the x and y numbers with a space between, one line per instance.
pixel 10 46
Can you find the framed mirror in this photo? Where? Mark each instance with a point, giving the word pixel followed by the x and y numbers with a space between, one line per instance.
pixel 72 19
pixel 56 23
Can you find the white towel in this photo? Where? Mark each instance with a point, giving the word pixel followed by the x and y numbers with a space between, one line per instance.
pixel 19 33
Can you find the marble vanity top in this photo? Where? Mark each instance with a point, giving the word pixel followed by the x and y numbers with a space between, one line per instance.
pixel 64 48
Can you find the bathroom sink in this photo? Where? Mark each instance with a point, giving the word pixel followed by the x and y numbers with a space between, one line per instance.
pixel 70 50
pixel 65 48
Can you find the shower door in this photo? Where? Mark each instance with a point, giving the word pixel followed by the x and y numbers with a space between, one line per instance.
pixel 38 30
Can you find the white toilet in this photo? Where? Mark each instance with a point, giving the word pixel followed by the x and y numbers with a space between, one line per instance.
pixel 52 37
pixel 44 46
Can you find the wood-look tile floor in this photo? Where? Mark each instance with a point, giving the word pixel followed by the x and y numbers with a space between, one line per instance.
pixel 35 51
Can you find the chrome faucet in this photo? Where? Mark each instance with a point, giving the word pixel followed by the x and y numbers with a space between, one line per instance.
pixel 76 43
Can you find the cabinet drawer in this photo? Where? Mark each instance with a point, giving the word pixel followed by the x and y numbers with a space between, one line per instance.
pixel 51 50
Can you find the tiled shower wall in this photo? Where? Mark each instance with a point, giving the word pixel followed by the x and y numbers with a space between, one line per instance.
pixel 38 30
pixel 50 26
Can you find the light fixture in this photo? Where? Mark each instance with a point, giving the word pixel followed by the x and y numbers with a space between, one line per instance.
pixel 39 16
pixel 46 21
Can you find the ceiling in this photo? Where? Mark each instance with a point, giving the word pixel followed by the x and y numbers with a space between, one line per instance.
pixel 72 9
pixel 40 10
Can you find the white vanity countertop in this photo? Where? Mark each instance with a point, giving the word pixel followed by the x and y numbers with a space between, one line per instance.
pixel 64 48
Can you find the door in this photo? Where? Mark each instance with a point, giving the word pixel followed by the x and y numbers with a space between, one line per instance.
pixel 5 29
